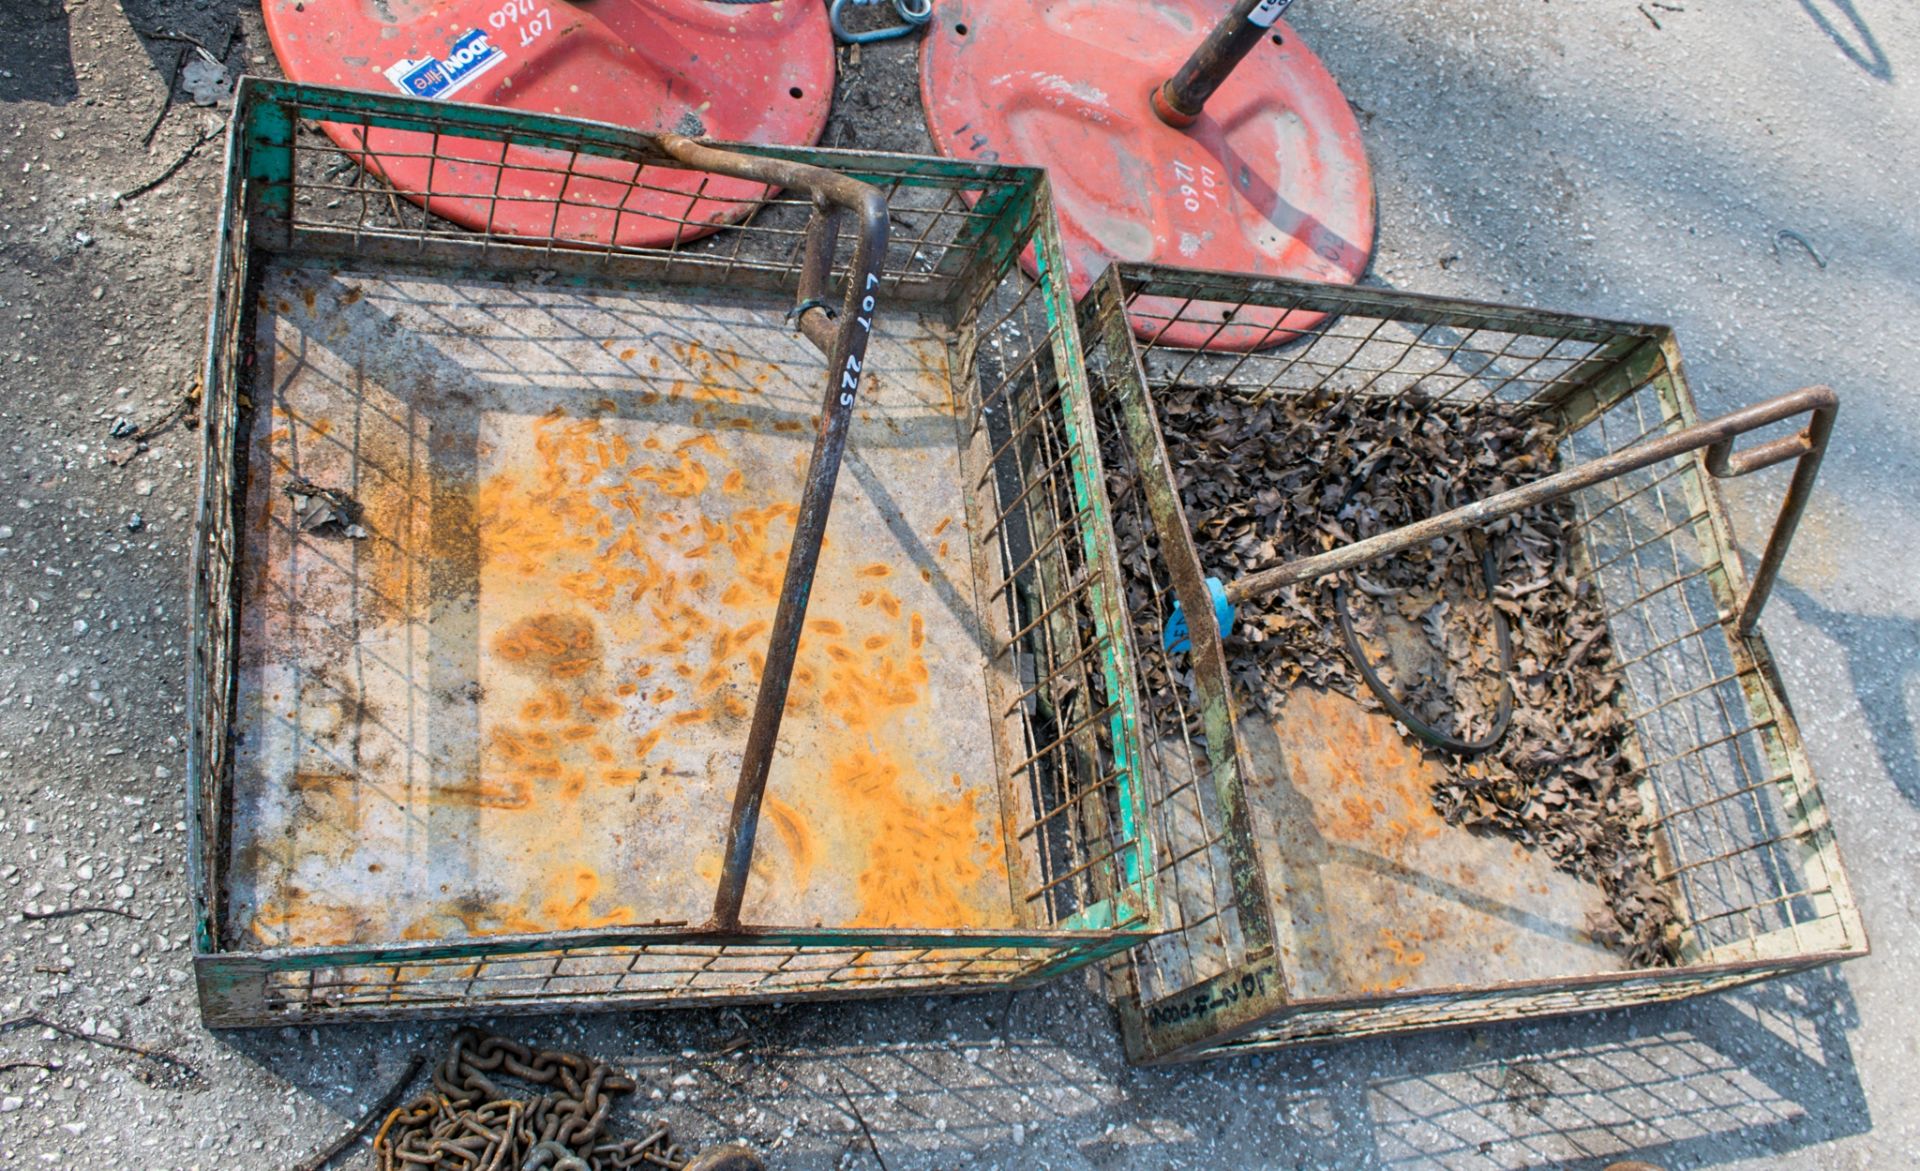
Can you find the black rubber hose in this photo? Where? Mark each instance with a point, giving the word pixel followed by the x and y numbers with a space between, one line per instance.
pixel 1399 711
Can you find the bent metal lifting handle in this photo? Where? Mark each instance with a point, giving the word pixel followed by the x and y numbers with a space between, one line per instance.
pixel 1715 435
pixel 846 350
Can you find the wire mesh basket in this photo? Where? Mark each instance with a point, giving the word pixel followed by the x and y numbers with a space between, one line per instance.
pixel 519 609
pixel 1310 888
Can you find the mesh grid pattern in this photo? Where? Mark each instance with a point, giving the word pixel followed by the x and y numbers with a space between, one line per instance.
pixel 1058 679
pixel 1743 845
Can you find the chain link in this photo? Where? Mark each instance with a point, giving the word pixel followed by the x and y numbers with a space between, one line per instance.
pixel 469 1122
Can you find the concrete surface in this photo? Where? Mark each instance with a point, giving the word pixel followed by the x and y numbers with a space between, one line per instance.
pixel 1611 157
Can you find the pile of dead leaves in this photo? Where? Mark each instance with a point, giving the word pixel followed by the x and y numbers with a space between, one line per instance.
pixel 1264 483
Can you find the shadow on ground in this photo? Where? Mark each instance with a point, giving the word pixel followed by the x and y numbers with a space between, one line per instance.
pixel 1850 35
pixel 36 53
pixel 1882 661
pixel 1757 1071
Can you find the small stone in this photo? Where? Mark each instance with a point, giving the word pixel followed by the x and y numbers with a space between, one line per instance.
pixel 124 890
pixel 10 1103
pixel 136 522
pixel 6 532
pixel 79 625
pixel 143 488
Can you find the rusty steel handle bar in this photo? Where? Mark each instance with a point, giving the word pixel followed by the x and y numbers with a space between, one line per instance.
pixel 1179 100
pixel 845 345
pixel 1715 435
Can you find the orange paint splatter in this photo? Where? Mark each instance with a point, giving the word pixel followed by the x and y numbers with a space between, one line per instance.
pixel 922 858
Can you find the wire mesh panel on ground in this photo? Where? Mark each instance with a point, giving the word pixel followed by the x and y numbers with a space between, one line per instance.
pixel 1322 872
pixel 493 559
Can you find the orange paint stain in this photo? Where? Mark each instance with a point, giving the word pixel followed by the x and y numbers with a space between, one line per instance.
pixel 922 857
pixel 877 569
pixel 602 709
pixel 795 836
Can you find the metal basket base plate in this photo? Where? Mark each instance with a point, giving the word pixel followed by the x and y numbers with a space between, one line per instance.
pixel 517 704
pixel 1373 891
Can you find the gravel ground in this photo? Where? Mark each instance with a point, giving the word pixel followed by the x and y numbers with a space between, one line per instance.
pixel 1606 157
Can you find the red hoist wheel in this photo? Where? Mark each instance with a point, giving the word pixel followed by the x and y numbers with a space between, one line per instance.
pixel 743 72
pixel 1253 163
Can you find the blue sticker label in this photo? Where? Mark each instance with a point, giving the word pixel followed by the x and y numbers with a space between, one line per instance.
pixel 431 77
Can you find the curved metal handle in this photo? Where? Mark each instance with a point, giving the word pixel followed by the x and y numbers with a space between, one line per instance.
pixel 1715 435
pixel 846 348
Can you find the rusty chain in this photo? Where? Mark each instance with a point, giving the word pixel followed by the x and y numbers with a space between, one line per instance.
pixel 468 1122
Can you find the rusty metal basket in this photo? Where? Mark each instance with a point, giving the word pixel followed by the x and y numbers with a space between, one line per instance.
pixel 1308 889
pixel 519 610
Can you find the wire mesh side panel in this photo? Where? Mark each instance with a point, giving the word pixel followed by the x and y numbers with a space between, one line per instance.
pixel 665 970
pixel 215 561
pixel 373 176
pixel 1060 684
pixel 1194 863
pixel 1745 840
pixel 1371 343
pixel 1413 1014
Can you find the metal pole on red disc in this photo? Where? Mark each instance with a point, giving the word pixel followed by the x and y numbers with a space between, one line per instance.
pixel 1180 99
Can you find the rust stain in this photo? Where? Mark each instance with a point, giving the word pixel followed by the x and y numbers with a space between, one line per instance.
pixel 563 646
pixel 921 853
pixel 569 906
pixel 596 546
pixel 1379 785
pixel 796 836
pixel 483 794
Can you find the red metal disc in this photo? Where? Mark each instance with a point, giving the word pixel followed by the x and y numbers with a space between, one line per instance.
pixel 743 72
pixel 1271 179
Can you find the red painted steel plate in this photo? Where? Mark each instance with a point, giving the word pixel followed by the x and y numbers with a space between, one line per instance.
pixel 1272 178
pixel 742 72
